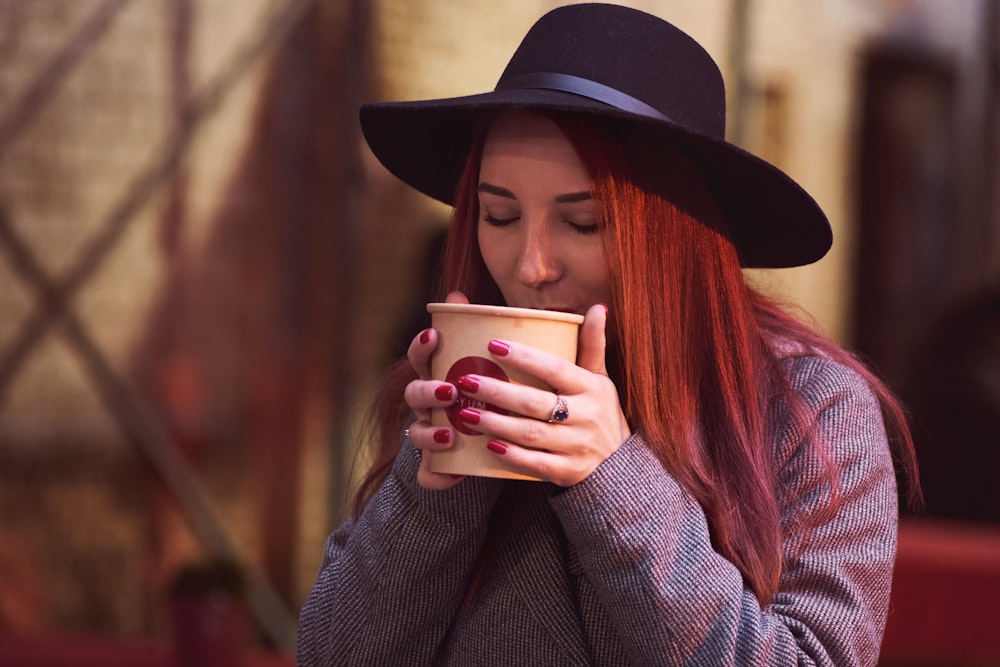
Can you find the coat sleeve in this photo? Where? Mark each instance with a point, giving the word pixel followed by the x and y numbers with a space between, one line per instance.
pixel 645 547
pixel 391 582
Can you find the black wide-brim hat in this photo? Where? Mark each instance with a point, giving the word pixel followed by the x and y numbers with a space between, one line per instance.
pixel 624 64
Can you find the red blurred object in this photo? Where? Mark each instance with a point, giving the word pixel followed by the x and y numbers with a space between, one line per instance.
pixel 210 631
pixel 103 651
pixel 945 606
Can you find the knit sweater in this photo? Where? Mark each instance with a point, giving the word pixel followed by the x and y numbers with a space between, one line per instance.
pixel 619 569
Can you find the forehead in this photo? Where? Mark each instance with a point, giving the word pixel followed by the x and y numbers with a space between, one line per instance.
pixel 524 137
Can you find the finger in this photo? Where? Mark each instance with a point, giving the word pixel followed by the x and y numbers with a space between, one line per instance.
pixel 423 395
pixel 423 344
pixel 456 297
pixel 555 371
pixel 428 437
pixel 420 350
pixel 517 398
pixel 531 433
pixel 593 340
pixel 549 466
pixel 433 481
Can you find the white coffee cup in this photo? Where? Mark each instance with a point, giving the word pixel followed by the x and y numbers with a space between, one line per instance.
pixel 464 332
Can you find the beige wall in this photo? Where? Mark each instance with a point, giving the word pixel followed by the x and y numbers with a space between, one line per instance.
pixel 87 120
pixel 102 127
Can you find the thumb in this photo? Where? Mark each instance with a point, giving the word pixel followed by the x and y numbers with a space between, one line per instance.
pixel 593 340
pixel 456 297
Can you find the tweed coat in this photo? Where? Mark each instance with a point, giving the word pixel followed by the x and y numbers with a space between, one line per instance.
pixel 620 569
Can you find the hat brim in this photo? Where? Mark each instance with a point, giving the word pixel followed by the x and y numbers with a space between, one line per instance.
pixel 775 223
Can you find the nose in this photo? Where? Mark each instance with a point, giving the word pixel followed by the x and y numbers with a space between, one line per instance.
pixel 538 263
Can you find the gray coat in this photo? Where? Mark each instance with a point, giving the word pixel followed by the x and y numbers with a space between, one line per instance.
pixel 619 569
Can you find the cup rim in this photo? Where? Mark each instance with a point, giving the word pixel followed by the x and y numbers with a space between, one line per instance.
pixel 504 311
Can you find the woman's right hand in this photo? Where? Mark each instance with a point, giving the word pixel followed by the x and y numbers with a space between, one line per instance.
pixel 424 394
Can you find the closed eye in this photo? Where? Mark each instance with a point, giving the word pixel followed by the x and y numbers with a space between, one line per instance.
pixel 499 222
pixel 583 229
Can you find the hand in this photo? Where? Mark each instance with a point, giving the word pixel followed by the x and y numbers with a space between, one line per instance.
pixel 424 394
pixel 564 453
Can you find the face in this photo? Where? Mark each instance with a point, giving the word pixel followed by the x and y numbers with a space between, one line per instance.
pixel 538 229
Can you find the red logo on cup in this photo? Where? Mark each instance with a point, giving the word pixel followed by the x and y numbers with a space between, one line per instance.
pixel 472 366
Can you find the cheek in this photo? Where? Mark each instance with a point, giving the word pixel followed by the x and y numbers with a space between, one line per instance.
pixel 595 272
pixel 491 250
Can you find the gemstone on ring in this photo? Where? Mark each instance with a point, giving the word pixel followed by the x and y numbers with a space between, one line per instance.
pixel 560 412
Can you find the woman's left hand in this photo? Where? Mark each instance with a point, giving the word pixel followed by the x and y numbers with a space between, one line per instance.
pixel 561 452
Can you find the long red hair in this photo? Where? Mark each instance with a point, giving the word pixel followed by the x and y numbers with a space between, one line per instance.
pixel 692 359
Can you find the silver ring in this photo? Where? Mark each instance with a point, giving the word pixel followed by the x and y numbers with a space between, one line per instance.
pixel 560 412
pixel 406 434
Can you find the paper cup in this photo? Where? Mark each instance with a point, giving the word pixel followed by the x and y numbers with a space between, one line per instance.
pixel 464 331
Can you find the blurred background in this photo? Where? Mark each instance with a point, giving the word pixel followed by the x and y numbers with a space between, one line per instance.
pixel 203 273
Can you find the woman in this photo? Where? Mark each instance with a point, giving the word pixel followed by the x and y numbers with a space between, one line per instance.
pixel 721 489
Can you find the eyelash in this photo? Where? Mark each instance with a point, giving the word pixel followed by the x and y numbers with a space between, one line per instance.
pixel 583 229
pixel 498 222
pixel 503 222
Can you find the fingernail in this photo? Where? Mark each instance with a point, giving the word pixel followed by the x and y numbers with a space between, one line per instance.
pixel 457 476
pixel 468 384
pixel 605 306
pixel 499 348
pixel 442 435
pixel 444 393
pixel 471 416
pixel 425 336
pixel 496 447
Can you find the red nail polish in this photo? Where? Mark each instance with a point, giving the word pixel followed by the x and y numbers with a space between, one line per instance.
pixel 444 393
pixel 442 435
pixel 425 336
pixel 457 476
pixel 470 416
pixel 499 348
pixel 605 306
pixel 496 447
pixel 468 384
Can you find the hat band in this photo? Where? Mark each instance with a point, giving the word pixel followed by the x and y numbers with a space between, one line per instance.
pixel 568 83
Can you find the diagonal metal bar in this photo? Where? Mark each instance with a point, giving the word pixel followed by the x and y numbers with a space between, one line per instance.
pixel 132 413
pixel 142 426
pixel 276 27
pixel 23 110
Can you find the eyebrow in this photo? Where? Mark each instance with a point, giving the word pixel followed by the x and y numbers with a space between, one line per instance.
pixel 567 198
